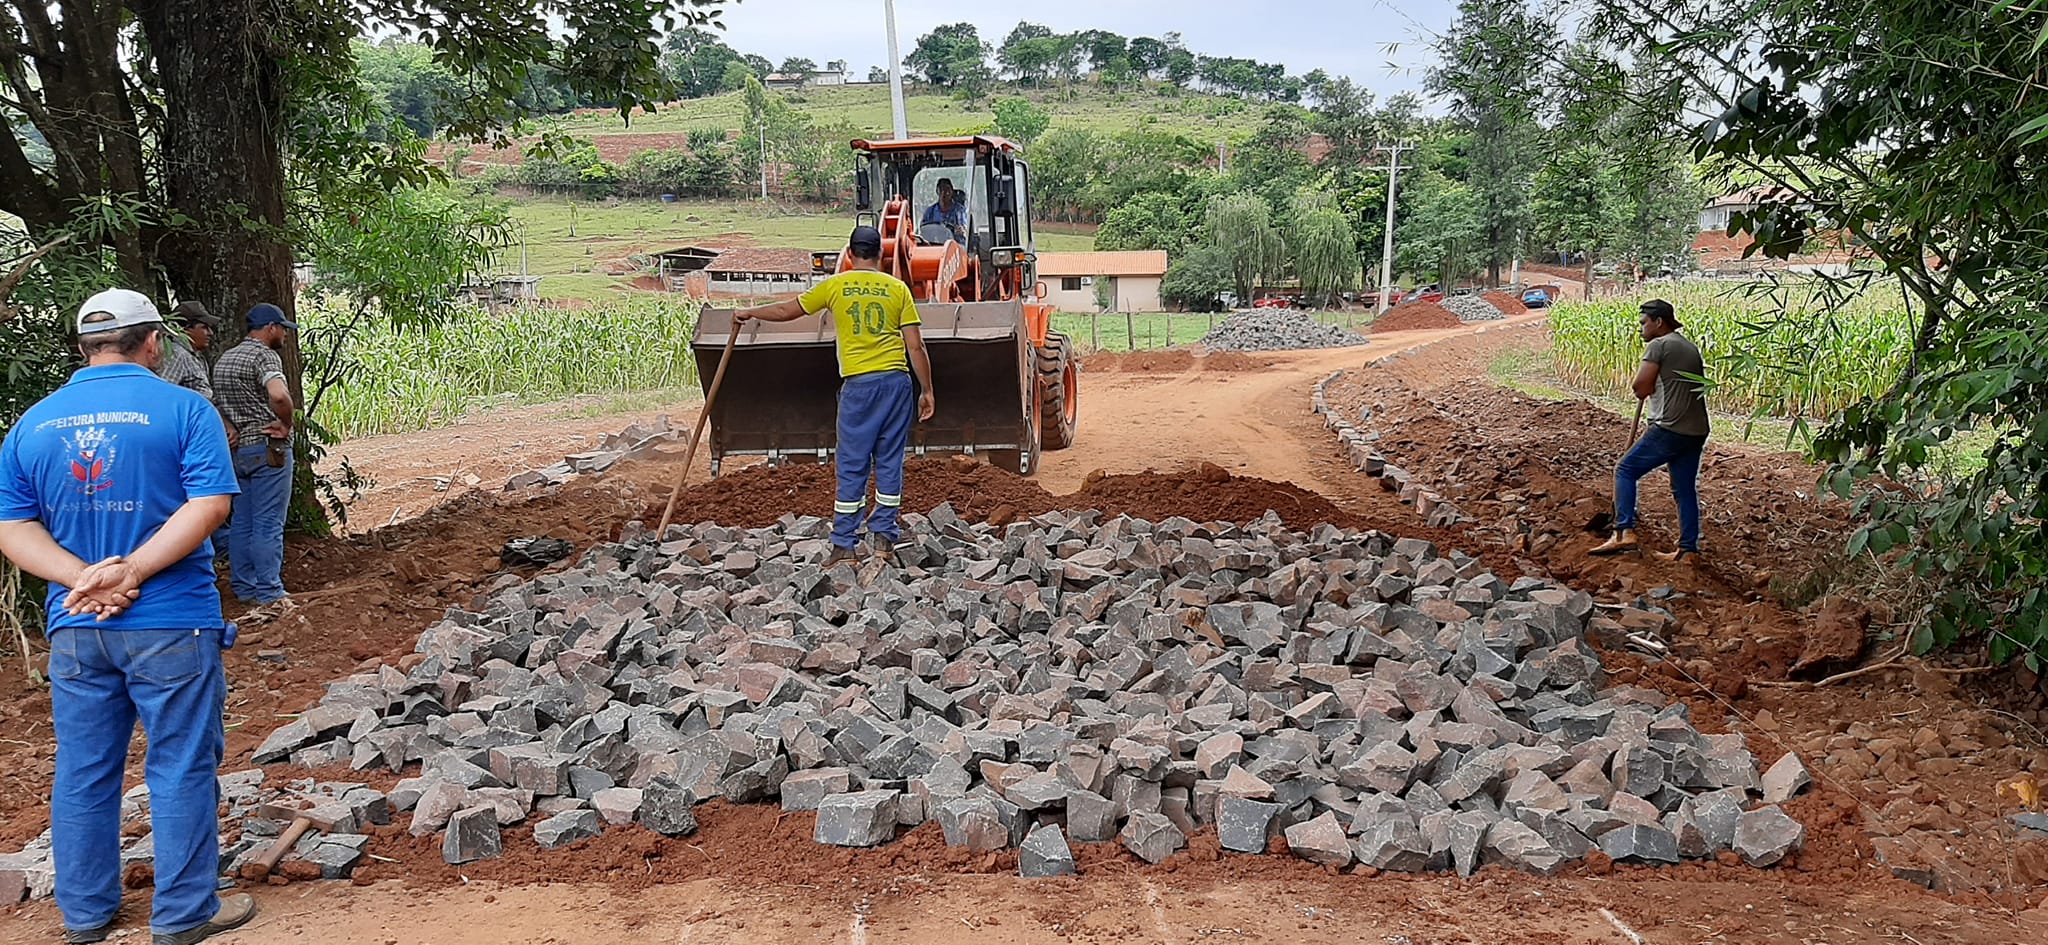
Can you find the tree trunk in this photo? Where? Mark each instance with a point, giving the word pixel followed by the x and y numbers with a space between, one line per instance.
pixel 223 87
pixel 224 98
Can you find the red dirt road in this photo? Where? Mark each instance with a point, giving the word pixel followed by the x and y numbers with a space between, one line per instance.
pixel 1905 758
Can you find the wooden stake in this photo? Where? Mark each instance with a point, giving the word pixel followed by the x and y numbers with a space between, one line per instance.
pixel 732 338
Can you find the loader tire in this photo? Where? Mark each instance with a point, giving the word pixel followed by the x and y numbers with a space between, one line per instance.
pixel 1058 392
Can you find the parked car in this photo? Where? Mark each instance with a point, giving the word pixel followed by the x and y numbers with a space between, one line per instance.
pixel 1536 298
pixel 1272 301
pixel 1431 294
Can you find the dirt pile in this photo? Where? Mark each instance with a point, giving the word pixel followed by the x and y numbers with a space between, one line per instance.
pixel 1509 303
pixel 1415 316
pixel 758 497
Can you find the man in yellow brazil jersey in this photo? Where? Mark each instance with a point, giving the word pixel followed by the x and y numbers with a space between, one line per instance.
pixel 880 347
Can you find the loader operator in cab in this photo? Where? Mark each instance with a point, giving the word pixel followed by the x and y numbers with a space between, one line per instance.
pixel 950 212
pixel 880 348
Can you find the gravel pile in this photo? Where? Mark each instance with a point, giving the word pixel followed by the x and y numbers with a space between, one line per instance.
pixel 1471 308
pixel 1277 329
pixel 1062 679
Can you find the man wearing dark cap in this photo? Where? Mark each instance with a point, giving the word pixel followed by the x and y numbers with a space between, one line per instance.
pixel 249 385
pixel 880 346
pixel 108 490
pixel 1677 435
pixel 185 361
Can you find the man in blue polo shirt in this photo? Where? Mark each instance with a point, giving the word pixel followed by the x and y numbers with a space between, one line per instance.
pixel 109 489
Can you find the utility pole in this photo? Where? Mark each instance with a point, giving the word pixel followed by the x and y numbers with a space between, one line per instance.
pixel 895 74
pixel 763 126
pixel 1393 170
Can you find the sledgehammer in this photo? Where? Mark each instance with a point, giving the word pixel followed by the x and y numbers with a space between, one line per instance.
pixel 301 821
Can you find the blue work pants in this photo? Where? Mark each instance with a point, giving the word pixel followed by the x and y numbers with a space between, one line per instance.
pixel 875 412
pixel 256 530
pixel 101 682
pixel 1661 447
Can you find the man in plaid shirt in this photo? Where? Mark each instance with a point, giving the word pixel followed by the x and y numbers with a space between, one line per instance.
pixel 249 387
pixel 185 362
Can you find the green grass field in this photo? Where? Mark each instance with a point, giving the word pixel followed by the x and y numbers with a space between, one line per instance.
pixel 867 107
pixel 569 241
pixel 420 378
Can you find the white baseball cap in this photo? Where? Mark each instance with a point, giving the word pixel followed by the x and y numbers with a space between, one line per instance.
pixel 116 309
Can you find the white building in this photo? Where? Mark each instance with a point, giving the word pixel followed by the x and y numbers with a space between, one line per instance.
pixel 1134 277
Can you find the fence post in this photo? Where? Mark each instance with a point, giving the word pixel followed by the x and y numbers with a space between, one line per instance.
pixel 1212 321
pixel 1095 331
pixel 1169 329
pixel 1130 331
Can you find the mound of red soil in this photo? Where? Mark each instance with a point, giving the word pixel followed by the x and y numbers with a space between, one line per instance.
pixel 1413 316
pixel 1509 303
pixel 758 497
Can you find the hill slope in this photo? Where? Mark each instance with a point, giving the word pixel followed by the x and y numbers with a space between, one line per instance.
pixel 867 106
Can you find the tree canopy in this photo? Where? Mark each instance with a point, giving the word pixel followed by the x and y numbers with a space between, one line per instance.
pixel 1494 71
pixel 950 56
pixel 1919 132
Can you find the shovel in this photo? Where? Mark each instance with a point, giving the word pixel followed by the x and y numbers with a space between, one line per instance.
pixel 732 338
pixel 1603 522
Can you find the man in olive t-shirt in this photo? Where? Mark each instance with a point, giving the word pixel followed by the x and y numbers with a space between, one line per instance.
pixel 1668 380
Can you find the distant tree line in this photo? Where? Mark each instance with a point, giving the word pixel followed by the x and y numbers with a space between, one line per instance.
pixel 698 62
pixel 955 57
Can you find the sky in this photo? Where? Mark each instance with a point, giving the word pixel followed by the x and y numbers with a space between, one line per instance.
pixel 1383 45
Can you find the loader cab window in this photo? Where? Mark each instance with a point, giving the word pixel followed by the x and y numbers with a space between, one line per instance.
pixel 939 220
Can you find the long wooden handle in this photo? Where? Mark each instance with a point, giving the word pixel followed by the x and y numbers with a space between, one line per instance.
pixel 1635 428
pixel 732 338
pixel 290 838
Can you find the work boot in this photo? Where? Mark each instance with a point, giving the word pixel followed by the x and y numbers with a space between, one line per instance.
pixel 841 556
pixel 1623 540
pixel 1681 556
pixel 235 912
pixel 83 936
pixel 885 550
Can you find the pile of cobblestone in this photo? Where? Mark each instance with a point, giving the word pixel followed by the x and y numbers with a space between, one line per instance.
pixel 1065 679
pixel 636 441
pixel 1471 308
pixel 1277 329
pixel 349 808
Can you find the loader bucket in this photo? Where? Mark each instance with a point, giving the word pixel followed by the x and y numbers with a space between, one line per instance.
pixel 780 395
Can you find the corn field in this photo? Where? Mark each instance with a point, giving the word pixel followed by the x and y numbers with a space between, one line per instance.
pixel 1796 354
pixel 413 378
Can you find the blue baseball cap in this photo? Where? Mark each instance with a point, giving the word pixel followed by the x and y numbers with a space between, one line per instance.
pixel 865 237
pixel 264 315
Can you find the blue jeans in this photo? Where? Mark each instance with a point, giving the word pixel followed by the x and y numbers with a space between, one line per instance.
pixel 256 532
pixel 1661 447
pixel 875 411
pixel 101 681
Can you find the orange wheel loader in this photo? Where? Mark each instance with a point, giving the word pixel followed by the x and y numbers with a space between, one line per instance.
pixel 1006 383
